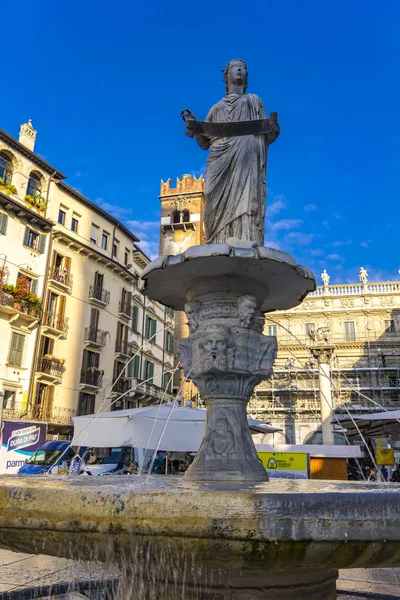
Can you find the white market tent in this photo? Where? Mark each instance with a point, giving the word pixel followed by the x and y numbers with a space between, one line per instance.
pixel 373 424
pixel 180 428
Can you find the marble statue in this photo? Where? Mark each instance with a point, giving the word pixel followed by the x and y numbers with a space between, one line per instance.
pixel 325 277
pixel 363 275
pixel 238 134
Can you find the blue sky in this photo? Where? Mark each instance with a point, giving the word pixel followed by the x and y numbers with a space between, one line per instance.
pixel 104 84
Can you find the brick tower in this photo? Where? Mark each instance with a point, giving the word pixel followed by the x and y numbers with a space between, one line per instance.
pixel 182 213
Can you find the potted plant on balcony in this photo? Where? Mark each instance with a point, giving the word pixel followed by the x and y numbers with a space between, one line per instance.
pixel 7 188
pixel 37 201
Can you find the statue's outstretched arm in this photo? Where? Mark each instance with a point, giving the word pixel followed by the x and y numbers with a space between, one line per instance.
pixel 202 140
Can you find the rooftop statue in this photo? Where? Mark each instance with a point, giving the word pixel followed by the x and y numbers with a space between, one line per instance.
pixel 238 134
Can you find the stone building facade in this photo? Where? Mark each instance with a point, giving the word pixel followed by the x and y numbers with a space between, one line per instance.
pixel 96 341
pixel 362 322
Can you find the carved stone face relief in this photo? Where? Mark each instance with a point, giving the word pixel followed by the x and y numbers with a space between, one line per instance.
pixel 247 307
pixel 216 351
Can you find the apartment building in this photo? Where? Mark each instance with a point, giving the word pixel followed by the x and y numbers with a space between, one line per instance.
pixel 99 343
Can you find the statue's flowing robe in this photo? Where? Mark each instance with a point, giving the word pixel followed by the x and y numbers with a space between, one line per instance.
pixel 235 189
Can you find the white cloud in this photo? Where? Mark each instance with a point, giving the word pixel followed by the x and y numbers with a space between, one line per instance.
pixel 365 244
pixel 271 244
pixel 316 252
pixel 335 257
pixel 276 206
pixel 310 207
pixel 339 243
pixel 144 225
pixel 285 224
pixel 119 212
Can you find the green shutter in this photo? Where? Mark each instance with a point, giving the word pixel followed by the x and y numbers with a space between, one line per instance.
pixel 16 349
pixel 26 236
pixel 41 244
pixel 34 285
pixel 136 366
pixel 135 315
pixel 153 330
pixel 3 223
pixel 150 369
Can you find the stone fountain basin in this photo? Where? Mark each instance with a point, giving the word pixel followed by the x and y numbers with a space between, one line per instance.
pixel 270 526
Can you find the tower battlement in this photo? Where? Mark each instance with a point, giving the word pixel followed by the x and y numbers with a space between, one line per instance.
pixel 185 184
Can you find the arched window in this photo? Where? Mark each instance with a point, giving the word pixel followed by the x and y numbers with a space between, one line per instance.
pixel 6 168
pixel 185 216
pixel 176 217
pixel 34 184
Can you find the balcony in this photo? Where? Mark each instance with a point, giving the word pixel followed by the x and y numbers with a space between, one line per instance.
pixel 123 349
pixel 99 296
pixel 22 309
pixel 59 415
pixel 54 325
pixel 91 379
pixel 122 386
pixel 60 278
pixel 146 392
pixel 50 369
pixel 95 338
pixel 125 309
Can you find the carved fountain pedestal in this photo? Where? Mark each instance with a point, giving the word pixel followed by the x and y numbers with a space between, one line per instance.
pixel 224 291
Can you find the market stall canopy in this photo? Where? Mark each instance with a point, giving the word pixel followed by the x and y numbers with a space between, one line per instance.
pixel 373 424
pixel 177 428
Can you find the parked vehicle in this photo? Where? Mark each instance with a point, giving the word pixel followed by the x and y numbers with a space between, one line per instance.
pixel 107 461
pixel 53 457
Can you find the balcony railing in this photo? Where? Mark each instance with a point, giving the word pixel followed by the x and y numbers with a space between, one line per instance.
pixel 123 348
pixel 95 336
pixel 55 322
pixel 51 368
pixel 150 391
pixel 125 308
pixel 121 386
pixel 92 377
pixel 61 276
pixel 98 294
pixel 52 414
pixel 12 304
pixel 356 289
pixel 286 339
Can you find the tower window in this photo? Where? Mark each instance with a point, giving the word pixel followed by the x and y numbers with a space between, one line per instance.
pixel 185 216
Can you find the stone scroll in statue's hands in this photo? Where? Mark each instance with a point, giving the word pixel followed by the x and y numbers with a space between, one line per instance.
pixel 268 127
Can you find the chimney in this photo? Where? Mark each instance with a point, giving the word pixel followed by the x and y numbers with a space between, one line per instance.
pixel 27 135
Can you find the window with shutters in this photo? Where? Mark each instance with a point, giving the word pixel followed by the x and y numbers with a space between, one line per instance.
pixel 169 342
pixel 167 382
pixel 104 241
pixel 133 368
pixel 86 404
pixel 150 329
pixel 135 318
pixel 31 283
pixel 3 223
pixel 62 215
pixel 148 371
pixel 94 234
pixel 35 241
pixel 16 349
pixel 272 330
pixel 74 224
pixel 349 331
